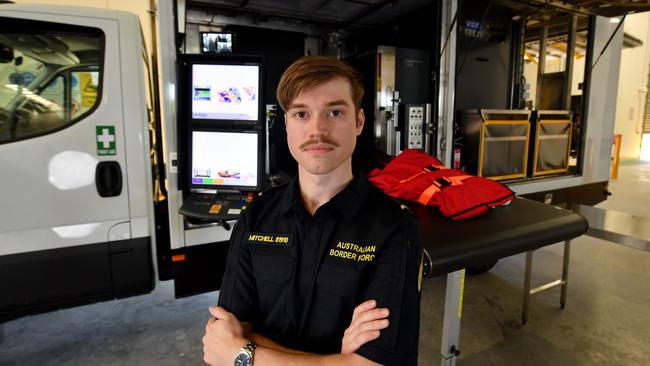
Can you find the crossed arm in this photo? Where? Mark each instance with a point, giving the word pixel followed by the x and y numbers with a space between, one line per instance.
pixel 225 335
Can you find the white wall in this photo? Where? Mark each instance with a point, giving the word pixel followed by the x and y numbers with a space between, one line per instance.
pixel 578 75
pixel 530 73
pixel 632 86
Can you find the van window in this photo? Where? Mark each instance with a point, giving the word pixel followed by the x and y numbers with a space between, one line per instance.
pixel 50 76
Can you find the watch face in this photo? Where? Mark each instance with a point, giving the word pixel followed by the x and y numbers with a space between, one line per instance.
pixel 243 360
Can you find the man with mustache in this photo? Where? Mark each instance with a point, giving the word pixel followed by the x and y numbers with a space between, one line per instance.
pixel 327 269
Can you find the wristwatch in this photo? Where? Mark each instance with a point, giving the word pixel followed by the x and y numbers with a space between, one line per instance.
pixel 246 355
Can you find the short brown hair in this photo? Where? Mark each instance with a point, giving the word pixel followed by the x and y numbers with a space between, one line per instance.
pixel 309 71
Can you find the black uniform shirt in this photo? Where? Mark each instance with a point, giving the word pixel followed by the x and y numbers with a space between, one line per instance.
pixel 298 277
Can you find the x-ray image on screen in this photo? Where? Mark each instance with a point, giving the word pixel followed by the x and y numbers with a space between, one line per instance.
pixel 225 92
pixel 224 159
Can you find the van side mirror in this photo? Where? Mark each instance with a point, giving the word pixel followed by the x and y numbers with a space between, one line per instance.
pixel 6 54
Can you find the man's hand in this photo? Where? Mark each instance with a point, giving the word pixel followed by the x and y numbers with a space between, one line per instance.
pixel 367 321
pixel 224 336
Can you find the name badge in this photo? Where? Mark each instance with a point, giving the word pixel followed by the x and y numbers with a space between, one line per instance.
pixel 353 252
pixel 273 240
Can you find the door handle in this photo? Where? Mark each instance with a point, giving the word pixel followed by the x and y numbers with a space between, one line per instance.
pixel 108 178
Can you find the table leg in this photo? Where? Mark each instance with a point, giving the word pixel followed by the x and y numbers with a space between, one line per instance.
pixel 451 321
pixel 565 272
pixel 527 278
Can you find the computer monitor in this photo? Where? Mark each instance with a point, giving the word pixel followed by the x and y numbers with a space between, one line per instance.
pixel 217 42
pixel 225 160
pixel 224 91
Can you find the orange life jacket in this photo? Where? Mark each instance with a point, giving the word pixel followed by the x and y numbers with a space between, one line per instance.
pixel 416 176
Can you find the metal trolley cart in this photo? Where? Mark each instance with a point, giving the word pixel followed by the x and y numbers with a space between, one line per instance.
pixel 495 142
pixel 551 147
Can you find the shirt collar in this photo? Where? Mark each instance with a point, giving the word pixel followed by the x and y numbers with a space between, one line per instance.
pixel 348 201
pixel 291 196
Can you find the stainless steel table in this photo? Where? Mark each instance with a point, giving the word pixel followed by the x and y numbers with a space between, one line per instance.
pixel 618 227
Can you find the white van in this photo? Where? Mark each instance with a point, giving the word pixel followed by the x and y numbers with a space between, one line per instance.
pixel 76 222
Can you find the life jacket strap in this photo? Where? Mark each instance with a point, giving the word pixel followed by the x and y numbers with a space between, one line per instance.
pixel 434 168
pixel 438 185
pixel 412 177
pixel 426 169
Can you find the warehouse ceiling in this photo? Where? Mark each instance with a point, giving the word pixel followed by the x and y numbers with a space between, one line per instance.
pixel 337 13
pixel 606 8
pixel 371 13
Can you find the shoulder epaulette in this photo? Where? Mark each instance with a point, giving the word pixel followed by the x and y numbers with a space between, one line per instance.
pixel 267 192
pixel 406 208
pixel 272 189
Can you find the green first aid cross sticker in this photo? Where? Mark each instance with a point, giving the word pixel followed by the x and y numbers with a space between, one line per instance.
pixel 105 140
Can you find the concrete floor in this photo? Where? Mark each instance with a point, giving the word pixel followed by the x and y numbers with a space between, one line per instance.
pixel 606 320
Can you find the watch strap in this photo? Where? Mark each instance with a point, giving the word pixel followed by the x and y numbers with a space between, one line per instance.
pixel 249 351
pixel 250 346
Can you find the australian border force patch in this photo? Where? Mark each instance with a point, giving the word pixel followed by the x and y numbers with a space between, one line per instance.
pixel 269 239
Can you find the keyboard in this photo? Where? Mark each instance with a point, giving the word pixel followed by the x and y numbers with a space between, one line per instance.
pixel 222 206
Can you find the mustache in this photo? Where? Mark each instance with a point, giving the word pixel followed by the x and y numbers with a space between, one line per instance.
pixel 322 140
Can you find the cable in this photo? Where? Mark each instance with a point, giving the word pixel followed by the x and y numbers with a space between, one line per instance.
pixel 607 44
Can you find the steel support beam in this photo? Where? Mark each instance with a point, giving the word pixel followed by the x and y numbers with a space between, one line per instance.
pixel 541 64
pixel 449 349
pixel 447 82
pixel 570 58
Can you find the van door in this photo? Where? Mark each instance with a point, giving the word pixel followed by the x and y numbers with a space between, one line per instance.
pixel 66 234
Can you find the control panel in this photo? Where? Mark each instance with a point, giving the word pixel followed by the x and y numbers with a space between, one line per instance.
pixel 414 126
